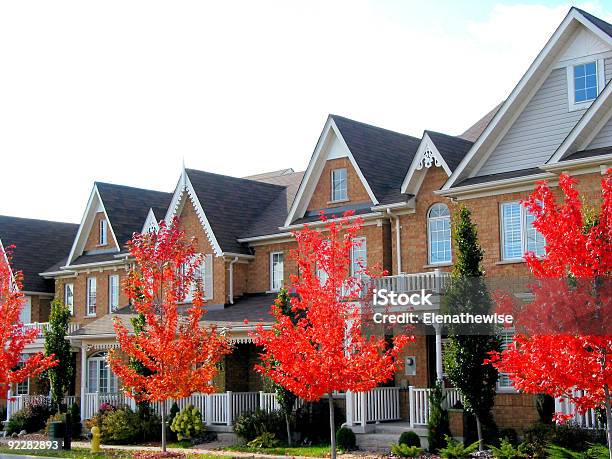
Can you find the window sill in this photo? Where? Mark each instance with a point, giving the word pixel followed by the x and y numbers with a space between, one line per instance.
pixel 89 316
pixel 510 262
pixel 438 265
pixel 339 201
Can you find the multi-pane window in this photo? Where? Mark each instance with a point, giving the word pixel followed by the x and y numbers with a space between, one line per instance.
pixel 277 266
pixel 69 297
pixel 518 234
pixel 198 278
pixel 113 292
pixel 103 233
pixel 506 337
pixel 439 234
pixel 91 296
pixel 100 377
pixel 339 191
pixel 585 82
pixel 22 388
pixel 359 257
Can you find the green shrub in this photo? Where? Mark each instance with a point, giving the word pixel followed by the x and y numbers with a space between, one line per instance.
pixel 510 435
pixel 188 423
pixel 265 440
pixel 120 426
pixel 32 418
pixel 507 450
pixel 346 440
pixel 404 450
pixel 574 437
pixel 252 424
pixel 545 404
pixel 457 450
pixel 312 421
pixel 597 452
pixel 438 425
pixel 410 439
pixel 174 410
pixel 559 452
pixel 61 417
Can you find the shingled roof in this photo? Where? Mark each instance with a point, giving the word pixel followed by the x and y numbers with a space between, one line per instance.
pixel 38 245
pixel 127 207
pixel 232 204
pixel 453 149
pixel 383 156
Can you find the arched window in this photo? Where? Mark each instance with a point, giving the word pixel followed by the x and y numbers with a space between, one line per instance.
pixel 439 234
pixel 100 378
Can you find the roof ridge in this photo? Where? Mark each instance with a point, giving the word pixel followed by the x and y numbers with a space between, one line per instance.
pixel 238 178
pixel 38 220
pixel 373 126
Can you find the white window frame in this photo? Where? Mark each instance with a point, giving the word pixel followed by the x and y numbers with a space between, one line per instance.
pixel 359 250
pixel 103 233
pixel 91 296
pixel 335 198
pixel 113 293
pixel 23 388
pixel 524 213
pixel 571 93
pixel 277 284
pixel 429 234
pixel 99 359
pixel 505 336
pixel 70 304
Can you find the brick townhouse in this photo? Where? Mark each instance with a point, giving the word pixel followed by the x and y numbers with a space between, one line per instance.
pixel 556 119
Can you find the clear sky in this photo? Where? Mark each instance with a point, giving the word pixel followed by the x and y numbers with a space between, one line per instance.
pixel 125 91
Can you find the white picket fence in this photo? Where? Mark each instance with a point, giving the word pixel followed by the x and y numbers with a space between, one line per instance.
pixel 587 420
pixel 418 400
pixel 217 409
pixel 379 404
pixel 15 403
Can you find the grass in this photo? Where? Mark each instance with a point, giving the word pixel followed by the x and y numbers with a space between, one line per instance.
pixel 306 451
pixel 82 453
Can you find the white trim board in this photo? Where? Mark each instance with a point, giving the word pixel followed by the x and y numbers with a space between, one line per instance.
pixel 523 92
pixel 184 185
pixel 427 155
pixel 321 154
pixel 78 245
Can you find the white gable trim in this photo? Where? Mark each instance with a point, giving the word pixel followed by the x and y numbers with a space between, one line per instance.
pixel 314 169
pixel 521 95
pixel 427 155
pixel 184 186
pixel 86 223
pixel 6 260
pixel 593 120
pixel 150 222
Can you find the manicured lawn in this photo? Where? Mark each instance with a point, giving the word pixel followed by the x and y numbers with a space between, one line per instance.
pixel 82 453
pixel 307 451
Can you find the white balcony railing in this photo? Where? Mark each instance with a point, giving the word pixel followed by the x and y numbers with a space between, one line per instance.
pixel 44 326
pixel 434 281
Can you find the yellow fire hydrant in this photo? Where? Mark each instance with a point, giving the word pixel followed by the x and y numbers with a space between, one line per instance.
pixel 95 439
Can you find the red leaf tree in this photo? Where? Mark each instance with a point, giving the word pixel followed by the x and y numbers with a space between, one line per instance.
pixel 563 345
pixel 328 350
pixel 13 337
pixel 180 354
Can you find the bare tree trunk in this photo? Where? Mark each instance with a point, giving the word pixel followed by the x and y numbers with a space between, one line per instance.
pixel 332 426
pixel 288 429
pixel 479 431
pixel 608 417
pixel 163 421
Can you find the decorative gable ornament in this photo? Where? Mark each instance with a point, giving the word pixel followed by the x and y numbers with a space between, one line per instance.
pixel 427 159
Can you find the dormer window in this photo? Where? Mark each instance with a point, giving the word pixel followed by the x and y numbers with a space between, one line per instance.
pixel 339 187
pixel 103 233
pixel 585 82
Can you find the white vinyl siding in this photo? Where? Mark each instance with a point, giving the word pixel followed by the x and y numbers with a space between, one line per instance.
pixel 603 137
pixel 69 297
pixel 113 292
pixel 91 296
pixel 339 188
pixel 277 267
pixel 538 130
pixel 439 234
pixel 103 236
pixel 517 233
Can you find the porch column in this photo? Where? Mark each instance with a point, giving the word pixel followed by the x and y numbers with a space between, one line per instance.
pixel 8 404
pixel 83 378
pixel 349 408
pixel 439 369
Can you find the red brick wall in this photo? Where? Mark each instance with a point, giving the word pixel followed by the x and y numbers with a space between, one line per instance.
pixel 321 198
pixel 258 270
pixel 94 235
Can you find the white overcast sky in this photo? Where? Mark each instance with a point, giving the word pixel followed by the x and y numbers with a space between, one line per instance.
pixel 125 91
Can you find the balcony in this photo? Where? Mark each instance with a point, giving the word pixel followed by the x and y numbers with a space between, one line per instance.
pixel 44 326
pixel 435 281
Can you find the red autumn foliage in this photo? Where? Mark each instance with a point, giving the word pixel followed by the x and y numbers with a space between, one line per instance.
pixel 13 337
pixel 563 345
pixel 325 350
pixel 180 353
